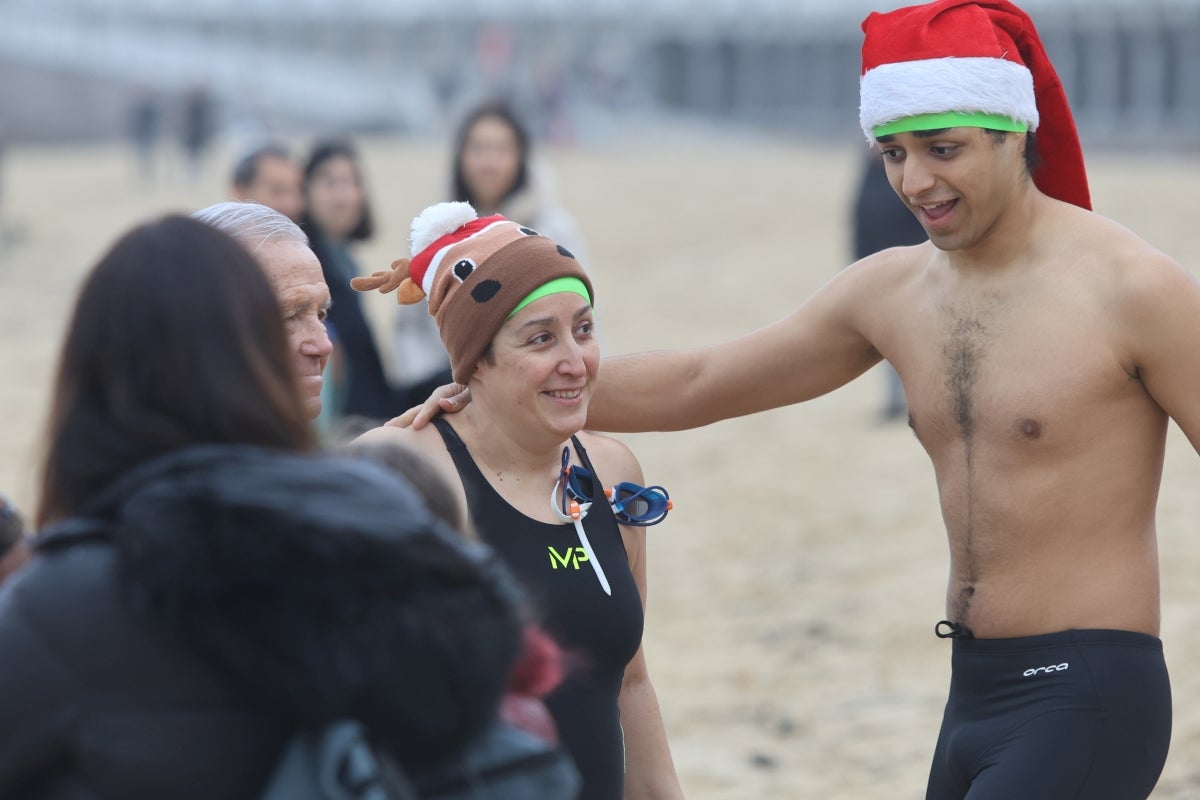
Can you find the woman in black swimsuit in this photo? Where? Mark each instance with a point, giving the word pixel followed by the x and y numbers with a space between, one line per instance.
pixel 515 312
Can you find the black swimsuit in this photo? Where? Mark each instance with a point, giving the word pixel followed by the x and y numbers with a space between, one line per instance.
pixel 599 633
pixel 1077 715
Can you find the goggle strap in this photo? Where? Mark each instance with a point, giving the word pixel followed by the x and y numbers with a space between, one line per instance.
pixel 569 494
pixel 576 515
pixel 569 513
pixel 591 554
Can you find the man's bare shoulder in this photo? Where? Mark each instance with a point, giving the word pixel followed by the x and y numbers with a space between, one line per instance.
pixel 1129 266
pixel 1144 293
pixel 1099 238
pixel 853 293
pixel 893 265
pixel 872 287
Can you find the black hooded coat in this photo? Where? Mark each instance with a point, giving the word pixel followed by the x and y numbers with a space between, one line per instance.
pixel 206 606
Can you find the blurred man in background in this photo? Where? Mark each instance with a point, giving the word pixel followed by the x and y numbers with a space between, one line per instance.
pixel 269 176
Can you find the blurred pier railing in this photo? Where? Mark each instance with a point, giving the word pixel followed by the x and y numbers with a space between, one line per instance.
pixel 1131 67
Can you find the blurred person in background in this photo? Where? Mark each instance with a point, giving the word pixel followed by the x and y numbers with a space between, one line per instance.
pixel 268 175
pixel 197 129
pixel 282 251
pixel 515 312
pixel 494 169
pixel 417 469
pixel 879 221
pixel 337 215
pixel 145 126
pixel 203 584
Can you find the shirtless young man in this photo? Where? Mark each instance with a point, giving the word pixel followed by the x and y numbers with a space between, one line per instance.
pixel 1043 349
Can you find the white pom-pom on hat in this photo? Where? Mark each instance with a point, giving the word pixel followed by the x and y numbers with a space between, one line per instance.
pixel 435 222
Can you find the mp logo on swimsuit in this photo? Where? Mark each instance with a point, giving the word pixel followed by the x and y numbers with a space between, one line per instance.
pixel 1029 673
pixel 572 557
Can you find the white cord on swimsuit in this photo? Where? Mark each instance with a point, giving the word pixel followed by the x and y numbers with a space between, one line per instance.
pixel 578 512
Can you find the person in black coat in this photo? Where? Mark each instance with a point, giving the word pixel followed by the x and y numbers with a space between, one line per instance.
pixel 337 215
pixel 203 584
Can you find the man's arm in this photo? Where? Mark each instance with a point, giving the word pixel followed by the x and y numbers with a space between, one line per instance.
pixel 814 350
pixel 1161 319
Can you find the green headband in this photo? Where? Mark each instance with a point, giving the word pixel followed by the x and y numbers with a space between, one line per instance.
pixel 567 284
pixel 950 119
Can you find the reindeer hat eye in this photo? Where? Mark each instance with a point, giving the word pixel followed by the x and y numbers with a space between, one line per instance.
pixel 463 269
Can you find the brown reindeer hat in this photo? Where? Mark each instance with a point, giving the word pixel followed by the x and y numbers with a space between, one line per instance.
pixel 476 272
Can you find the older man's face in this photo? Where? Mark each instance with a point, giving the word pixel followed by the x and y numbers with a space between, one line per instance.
pixel 295 274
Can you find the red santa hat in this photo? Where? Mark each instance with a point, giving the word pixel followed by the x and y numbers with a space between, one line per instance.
pixel 977 63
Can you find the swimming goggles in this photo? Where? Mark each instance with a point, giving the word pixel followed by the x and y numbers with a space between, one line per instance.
pixel 571 498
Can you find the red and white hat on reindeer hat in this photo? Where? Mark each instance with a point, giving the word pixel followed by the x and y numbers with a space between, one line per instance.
pixel 977 63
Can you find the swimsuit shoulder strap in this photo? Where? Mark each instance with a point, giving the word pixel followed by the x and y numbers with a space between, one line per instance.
pixel 468 471
pixel 583 456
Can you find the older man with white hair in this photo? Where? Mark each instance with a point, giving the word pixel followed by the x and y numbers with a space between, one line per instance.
pixel 282 251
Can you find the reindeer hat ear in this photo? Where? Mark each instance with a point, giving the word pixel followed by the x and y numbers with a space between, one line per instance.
pixel 386 281
pixel 435 224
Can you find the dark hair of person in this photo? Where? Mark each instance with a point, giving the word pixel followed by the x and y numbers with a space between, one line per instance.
pixel 501 111
pixel 419 472
pixel 176 340
pixel 324 151
pixel 246 170
pixel 1033 158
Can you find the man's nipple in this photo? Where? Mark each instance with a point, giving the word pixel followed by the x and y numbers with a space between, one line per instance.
pixel 1029 428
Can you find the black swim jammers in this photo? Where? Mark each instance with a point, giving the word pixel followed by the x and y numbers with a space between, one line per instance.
pixel 1080 715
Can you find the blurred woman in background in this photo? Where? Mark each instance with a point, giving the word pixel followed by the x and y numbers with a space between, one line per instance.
pixel 494 170
pixel 337 215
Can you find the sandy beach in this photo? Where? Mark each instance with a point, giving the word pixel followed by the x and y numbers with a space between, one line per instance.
pixel 794 589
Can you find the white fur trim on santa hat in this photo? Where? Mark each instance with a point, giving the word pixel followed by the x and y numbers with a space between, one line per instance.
pixel 935 86
pixel 435 222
